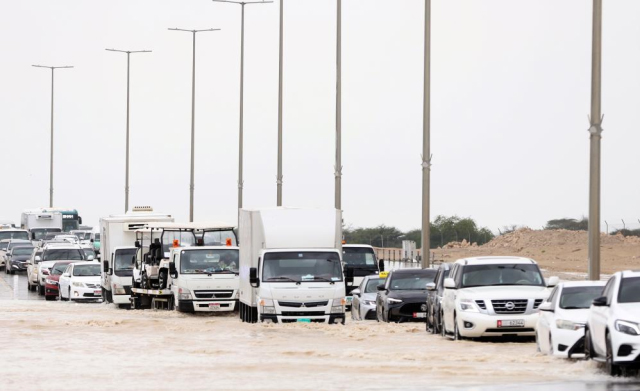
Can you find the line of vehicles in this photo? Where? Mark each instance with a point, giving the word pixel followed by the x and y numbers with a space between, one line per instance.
pixel 286 265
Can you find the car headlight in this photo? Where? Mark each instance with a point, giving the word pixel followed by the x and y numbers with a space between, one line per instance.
pixel 51 282
pixel 393 301
pixel 568 325
pixel 369 302
pixel 76 283
pixel 468 306
pixel 184 294
pixel 626 327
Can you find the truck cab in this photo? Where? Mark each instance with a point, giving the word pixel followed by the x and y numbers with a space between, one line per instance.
pixel 359 261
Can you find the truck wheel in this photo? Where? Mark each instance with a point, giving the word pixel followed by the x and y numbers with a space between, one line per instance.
pixel 144 281
pixel 171 305
pixel 162 279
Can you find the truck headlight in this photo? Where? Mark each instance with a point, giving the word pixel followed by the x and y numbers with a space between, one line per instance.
pixel 626 327
pixel 267 306
pixel 184 294
pixel 337 309
pixel 269 310
pixel 468 306
pixel 568 325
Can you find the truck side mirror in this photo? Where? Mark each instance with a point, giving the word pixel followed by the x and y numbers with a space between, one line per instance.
pixel 105 266
pixel 172 270
pixel 91 240
pixel 253 277
pixel 348 276
pixel 137 244
pixel 381 265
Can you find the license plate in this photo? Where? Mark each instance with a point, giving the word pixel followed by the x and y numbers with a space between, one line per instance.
pixel 214 306
pixel 511 323
pixel 304 320
pixel 419 314
pixel 97 293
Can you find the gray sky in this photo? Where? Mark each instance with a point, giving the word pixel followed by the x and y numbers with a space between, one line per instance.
pixel 510 98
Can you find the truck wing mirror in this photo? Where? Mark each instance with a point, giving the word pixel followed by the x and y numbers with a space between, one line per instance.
pixel 105 266
pixel 253 277
pixel 137 244
pixel 172 270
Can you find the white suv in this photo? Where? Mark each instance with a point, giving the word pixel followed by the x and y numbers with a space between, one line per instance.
pixel 612 332
pixel 493 296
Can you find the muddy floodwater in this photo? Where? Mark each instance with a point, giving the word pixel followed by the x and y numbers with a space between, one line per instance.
pixel 54 345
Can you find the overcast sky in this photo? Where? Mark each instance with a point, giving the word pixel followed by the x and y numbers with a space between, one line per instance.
pixel 510 99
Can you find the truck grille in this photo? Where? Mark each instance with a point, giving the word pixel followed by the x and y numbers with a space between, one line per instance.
pixel 213 294
pixel 301 313
pixel 481 304
pixel 509 306
pixel 310 304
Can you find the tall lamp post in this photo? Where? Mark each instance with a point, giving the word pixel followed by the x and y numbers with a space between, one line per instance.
pixel 193 114
pixel 595 135
pixel 280 62
pixel 126 183
pixel 241 130
pixel 338 167
pixel 51 154
pixel 426 141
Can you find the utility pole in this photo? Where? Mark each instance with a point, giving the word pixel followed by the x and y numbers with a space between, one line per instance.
pixel 193 115
pixel 126 182
pixel 241 131
pixel 595 135
pixel 426 142
pixel 338 167
pixel 51 152
pixel 279 177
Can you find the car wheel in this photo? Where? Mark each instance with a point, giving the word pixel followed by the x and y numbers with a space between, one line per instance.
pixel 538 350
pixel 588 346
pixel 443 330
pixel 60 294
pixel 551 351
pixel 456 332
pixel 69 294
pixel 437 324
pixel 50 298
pixel 144 281
pixel 172 303
pixel 612 369
pixel 40 290
pixel 162 279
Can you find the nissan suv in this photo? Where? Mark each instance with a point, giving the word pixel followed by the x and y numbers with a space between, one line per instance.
pixel 492 297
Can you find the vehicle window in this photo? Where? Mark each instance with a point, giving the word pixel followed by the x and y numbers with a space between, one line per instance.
pixel 607 291
pixel 19 244
pixel 3 245
pixel 412 281
pixel 359 256
pixel 209 261
pixel 445 275
pixel 438 276
pixel 372 285
pixel 4 234
pixel 219 238
pixel 552 295
pixel 97 238
pixel 301 267
pixel 22 251
pixel 574 298
pixel 69 269
pixel 86 270
pixel 501 274
pixel 59 268
pixel 185 239
pixel 59 254
pixel 123 261
pixel 87 252
pixel 629 290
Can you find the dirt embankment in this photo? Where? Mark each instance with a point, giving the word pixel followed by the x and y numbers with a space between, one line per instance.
pixel 554 250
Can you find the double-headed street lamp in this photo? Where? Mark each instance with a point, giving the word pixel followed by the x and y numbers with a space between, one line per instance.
pixel 126 183
pixel 241 131
pixel 193 114
pixel 51 155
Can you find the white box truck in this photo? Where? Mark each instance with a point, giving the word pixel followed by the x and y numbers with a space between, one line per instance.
pixel 39 222
pixel 291 266
pixel 118 237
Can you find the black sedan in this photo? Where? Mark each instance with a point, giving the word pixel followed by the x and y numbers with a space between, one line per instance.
pixel 404 294
pixel 434 299
pixel 16 260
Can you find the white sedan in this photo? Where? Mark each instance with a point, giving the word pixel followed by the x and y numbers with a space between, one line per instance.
pixel 560 329
pixel 81 281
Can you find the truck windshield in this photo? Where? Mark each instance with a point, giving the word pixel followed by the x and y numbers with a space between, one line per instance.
pixel 40 233
pixel 219 238
pixel 209 261
pixel 501 274
pixel 301 267
pixel 123 262
pixel 14 235
pixel 63 254
pixel 361 259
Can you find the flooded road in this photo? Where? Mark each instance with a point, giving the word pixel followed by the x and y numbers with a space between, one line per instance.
pixel 14 287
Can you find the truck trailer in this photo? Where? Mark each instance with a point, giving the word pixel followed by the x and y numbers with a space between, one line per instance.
pixel 291 266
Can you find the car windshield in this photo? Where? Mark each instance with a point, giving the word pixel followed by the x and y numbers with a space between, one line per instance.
pixel 209 261
pixel 4 234
pixel 301 267
pixel 88 252
pixel 372 285
pixel 629 290
pixel 412 281
pixel 56 254
pixel 87 270
pixel 501 274
pixel 359 257
pixel 19 244
pixel 59 268
pixel 124 260
pixel 579 297
pixel 22 251
pixel 219 238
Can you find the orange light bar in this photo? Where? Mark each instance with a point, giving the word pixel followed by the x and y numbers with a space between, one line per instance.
pixel 176 243
pixel 229 243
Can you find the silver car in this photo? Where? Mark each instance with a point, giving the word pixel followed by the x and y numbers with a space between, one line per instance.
pixel 364 298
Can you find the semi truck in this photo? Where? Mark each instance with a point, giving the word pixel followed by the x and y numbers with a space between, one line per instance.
pixel 359 261
pixel 190 267
pixel 291 266
pixel 118 235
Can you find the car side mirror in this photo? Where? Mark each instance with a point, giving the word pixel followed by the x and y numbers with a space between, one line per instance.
pixel 355 292
pixel 600 302
pixel 381 287
pixel 90 258
pixel 553 281
pixel 253 277
pixel 66 275
pixel 431 286
pixel 37 258
pixel 449 283
pixel 546 306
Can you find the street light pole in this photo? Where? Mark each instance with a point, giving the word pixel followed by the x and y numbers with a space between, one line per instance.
pixel 426 141
pixel 241 130
pixel 338 167
pixel 193 116
pixel 595 135
pixel 126 183
pixel 51 152
pixel 279 178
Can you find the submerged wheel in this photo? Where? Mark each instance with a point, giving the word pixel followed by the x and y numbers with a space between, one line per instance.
pixel 588 346
pixel 612 368
pixel 162 279
pixel 456 331
pixel 144 281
